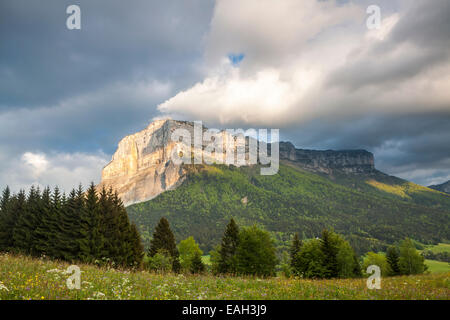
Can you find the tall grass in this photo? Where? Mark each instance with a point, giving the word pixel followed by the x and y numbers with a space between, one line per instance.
pixel 28 278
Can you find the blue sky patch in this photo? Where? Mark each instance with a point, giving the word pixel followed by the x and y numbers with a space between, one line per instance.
pixel 236 59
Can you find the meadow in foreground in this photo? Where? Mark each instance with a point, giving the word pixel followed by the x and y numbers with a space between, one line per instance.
pixel 27 278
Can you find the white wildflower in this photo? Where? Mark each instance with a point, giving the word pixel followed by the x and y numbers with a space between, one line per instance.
pixel 98 295
pixel 3 287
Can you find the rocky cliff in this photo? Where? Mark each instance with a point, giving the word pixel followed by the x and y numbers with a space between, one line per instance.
pixel 142 166
pixel 348 161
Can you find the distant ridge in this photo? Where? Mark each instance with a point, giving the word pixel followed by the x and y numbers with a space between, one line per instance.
pixel 444 187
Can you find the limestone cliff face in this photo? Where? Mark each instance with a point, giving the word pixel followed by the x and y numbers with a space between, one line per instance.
pixel 348 161
pixel 142 166
pixel 141 169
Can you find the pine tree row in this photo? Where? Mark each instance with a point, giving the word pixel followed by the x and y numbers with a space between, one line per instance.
pixel 83 226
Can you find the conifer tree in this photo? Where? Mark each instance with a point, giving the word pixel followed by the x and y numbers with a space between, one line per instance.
pixel 75 228
pixel 137 249
pixel 106 222
pixel 69 224
pixel 294 250
pixel 230 242
pixel 26 222
pixel 163 238
pixel 197 265
pixel 92 241
pixel 7 221
pixel 329 250
pixel 357 272
pixel 43 232
pixel 393 256
pixel 121 231
pixel 52 224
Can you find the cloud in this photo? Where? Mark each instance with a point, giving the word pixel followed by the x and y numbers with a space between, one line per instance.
pixel 42 62
pixel 65 170
pixel 332 66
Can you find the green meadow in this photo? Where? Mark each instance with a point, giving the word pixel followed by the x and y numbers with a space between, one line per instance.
pixel 26 278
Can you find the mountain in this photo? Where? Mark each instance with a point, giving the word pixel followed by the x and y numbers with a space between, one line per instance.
pixel 311 191
pixel 444 187
pixel 141 168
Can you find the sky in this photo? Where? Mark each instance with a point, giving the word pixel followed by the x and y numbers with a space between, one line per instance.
pixel 311 68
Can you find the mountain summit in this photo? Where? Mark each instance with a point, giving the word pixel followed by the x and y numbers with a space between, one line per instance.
pixel 142 166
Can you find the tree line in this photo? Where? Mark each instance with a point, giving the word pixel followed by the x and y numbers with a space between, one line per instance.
pixel 88 227
pixel 251 251
pixel 93 227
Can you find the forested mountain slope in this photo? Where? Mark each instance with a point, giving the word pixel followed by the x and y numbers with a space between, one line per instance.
pixel 371 210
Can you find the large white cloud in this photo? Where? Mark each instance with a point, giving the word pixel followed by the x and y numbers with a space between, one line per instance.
pixel 313 59
pixel 65 170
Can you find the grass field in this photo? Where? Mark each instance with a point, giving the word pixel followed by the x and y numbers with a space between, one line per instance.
pixel 437 266
pixel 27 278
pixel 441 247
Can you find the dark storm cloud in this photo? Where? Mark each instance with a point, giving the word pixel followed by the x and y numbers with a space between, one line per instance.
pixel 68 88
pixel 42 62
pixel 424 26
pixel 402 144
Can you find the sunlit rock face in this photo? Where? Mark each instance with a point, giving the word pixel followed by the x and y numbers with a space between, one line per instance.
pixel 142 166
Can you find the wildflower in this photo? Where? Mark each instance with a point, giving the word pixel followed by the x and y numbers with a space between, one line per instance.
pixel 53 270
pixel 3 287
pixel 98 295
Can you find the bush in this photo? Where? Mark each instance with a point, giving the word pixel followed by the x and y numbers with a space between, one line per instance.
pixel 310 260
pixel 410 261
pixel 255 253
pixel 188 249
pixel 161 262
pixel 329 257
pixel 379 260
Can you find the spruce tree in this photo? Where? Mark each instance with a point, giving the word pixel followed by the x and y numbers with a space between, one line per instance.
pixel 80 227
pixel 92 242
pixel 137 249
pixel 393 256
pixel 42 235
pixel 105 207
pixel 294 250
pixel 52 224
pixel 230 242
pixel 329 250
pixel 7 221
pixel 69 224
pixel 357 272
pixel 163 238
pixel 26 223
pixel 197 265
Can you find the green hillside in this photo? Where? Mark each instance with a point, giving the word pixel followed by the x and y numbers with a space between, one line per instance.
pixel 370 210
